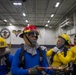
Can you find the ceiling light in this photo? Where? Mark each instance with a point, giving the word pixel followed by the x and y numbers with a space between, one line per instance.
pixel 24 14
pixel 5 20
pixel 52 15
pixel 57 4
pixel 26 20
pixel 17 3
pixel 46 25
pixel 48 21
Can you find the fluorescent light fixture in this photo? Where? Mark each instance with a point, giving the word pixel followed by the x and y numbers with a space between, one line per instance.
pixel 48 21
pixel 17 3
pixel 26 20
pixel 52 15
pixel 24 14
pixel 5 20
pixel 46 25
pixel 57 4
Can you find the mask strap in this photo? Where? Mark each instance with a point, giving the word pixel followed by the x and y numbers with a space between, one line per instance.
pixel 28 39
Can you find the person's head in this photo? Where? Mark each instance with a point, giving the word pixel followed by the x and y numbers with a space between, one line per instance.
pixel 63 40
pixel 75 40
pixel 30 35
pixel 3 45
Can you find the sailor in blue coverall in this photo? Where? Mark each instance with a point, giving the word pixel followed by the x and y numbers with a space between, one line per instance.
pixel 5 57
pixel 31 55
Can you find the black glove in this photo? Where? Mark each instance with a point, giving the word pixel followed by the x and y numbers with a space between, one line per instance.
pixel 34 70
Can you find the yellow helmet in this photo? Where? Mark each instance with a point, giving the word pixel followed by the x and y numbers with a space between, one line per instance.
pixel 66 38
pixel 3 43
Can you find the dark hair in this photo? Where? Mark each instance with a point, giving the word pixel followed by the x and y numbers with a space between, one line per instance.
pixel 75 37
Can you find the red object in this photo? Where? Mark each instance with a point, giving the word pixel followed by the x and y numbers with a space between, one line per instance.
pixel 40 68
pixel 30 27
pixel 27 29
pixel 71 45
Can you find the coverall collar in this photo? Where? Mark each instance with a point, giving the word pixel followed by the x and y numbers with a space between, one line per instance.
pixel 31 50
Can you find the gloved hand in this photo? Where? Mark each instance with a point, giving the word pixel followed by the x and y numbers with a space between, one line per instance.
pixel 58 51
pixel 43 48
pixel 33 70
pixel 7 51
pixel 55 49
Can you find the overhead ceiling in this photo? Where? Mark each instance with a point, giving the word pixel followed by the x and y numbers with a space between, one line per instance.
pixel 37 12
